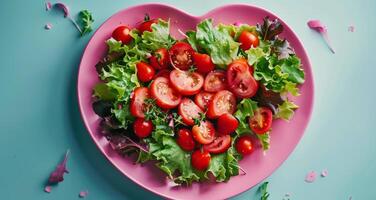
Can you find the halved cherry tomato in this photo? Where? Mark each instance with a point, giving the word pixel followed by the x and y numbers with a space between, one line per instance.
pixel 164 73
pixel 146 25
pixel 185 82
pixel 145 72
pixel 200 160
pixel 219 145
pixel 122 34
pixel 188 110
pixel 261 121
pixel 203 63
pixel 240 80
pixel 244 145
pixel 142 128
pixel 248 40
pixel 181 55
pixel 215 81
pixel 185 139
pixel 202 99
pixel 227 124
pixel 137 105
pixel 222 102
pixel 205 133
pixel 243 60
pixel 162 91
pixel 159 60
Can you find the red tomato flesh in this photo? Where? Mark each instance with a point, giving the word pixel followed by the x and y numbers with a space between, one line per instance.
pixel 122 34
pixel 202 99
pixel 248 40
pixel 222 102
pixel 204 133
pixel 219 145
pixel 181 55
pixel 215 81
pixel 185 82
pixel 137 105
pixel 227 124
pixel 164 94
pixel 188 110
pixel 200 160
pixel 185 139
pixel 240 80
pixel 142 128
pixel 203 63
pixel 145 72
pixel 146 25
pixel 244 145
pixel 159 60
pixel 261 121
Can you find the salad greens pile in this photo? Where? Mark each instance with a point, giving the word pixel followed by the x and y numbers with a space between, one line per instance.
pixel 276 68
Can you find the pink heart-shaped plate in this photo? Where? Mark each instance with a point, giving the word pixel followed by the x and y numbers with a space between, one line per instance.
pixel 285 135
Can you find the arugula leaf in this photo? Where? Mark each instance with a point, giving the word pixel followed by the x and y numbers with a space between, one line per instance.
pixel 245 110
pixel 263 189
pixel 265 140
pixel 216 42
pixel 286 110
pixel 159 37
pixel 86 20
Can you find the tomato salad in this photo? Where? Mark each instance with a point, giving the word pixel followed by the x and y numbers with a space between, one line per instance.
pixel 198 105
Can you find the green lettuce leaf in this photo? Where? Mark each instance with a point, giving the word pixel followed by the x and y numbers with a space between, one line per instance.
pixel 245 110
pixel 254 54
pixel 224 165
pixel 191 39
pixel 286 110
pixel 174 159
pixel 218 43
pixel 113 45
pixel 264 140
pixel 159 37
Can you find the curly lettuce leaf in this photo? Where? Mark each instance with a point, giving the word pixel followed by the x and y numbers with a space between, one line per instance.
pixel 254 54
pixel 218 43
pixel 174 159
pixel 286 110
pixel 279 75
pixel 159 36
pixel 224 165
pixel 245 110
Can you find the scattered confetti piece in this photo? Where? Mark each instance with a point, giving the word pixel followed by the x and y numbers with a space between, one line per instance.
pixel 64 8
pixel 324 173
pixel 48 26
pixel 310 177
pixel 83 194
pixel 319 27
pixel 47 189
pixel 351 28
pixel 58 174
pixel 48 6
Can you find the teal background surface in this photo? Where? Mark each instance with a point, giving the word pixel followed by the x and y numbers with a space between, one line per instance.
pixel 39 117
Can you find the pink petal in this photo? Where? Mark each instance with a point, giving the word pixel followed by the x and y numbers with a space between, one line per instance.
pixel 48 6
pixel 321 28
pixel 83 194
pixel 63 7
pixel 310 177
pixel 324 173
pixel 47 189
pixel 351 28
pixel 48 26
